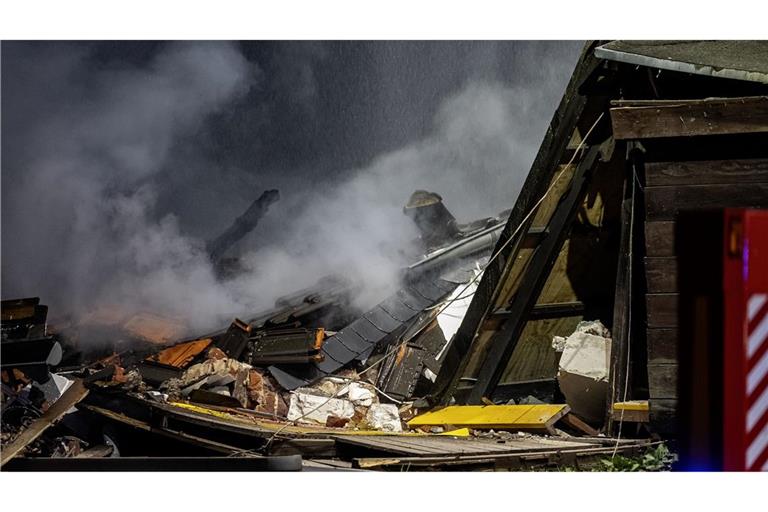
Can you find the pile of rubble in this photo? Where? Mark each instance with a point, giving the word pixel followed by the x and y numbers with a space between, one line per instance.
pixel 291 379
pixel 227 379
pixel 204 374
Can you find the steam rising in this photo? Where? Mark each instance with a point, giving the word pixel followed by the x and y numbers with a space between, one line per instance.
pixel 85 211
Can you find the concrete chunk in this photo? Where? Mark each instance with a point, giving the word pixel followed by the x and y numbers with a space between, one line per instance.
pixel 313 408
pixel 384 417
pixel 583 374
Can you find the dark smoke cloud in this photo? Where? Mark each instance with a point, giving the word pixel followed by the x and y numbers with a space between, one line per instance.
pixel 120 160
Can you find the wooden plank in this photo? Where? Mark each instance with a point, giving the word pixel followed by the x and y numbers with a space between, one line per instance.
pixel 578 424
pixel 662 345
pixel 706 172
pixel 662 309
pixel 660 238
pixel 74 394
pixel 435 445
pixel 486 459
pixel 631 416
pixel 686 118
pixel 620 103
pixel 538 417
pixel 400 446
pixel 631 405
pixel 453 447
pixel 539 312
pixel 330 464
pixel 662 380
pixel 661 275
pixel 662 203
pixel 117 417
pixel 181 354
pixel 636 411
pixel 534 358
pixel 419 446
pixel 474 359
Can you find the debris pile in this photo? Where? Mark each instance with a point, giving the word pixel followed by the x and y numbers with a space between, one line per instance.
pixel 314 376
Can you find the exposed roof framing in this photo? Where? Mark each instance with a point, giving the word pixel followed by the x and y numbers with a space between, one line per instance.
pixel 542 170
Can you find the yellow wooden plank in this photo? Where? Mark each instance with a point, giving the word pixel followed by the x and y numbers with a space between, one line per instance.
pixel 633 405
pixel 634 411
pixel 459 432
pixel 517 417
pixel 304 429
pixel 203 410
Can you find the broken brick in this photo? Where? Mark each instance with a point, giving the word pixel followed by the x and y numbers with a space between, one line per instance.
pixel 336 422
pixel 216 353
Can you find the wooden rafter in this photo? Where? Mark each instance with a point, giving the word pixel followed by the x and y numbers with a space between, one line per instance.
pixel 686 118
pixel 550 154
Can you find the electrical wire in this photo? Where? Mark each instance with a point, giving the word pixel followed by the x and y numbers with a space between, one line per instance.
pixel 629 314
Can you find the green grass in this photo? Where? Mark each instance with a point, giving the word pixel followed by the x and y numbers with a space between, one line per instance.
pixel 658 458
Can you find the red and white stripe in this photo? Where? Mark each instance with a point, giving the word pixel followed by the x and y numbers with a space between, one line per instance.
pixel 757 383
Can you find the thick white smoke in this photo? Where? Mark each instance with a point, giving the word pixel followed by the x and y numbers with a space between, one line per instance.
pixel 88 201
pixel 483 141
pixel 82 205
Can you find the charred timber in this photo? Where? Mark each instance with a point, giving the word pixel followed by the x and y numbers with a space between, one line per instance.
pixel 243 225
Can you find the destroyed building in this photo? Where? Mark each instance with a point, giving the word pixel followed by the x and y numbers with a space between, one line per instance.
pixel 560 331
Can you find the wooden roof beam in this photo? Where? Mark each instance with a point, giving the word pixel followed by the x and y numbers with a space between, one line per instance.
pixel 687 118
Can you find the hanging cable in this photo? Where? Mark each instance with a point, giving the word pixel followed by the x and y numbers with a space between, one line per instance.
pixel 629 313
